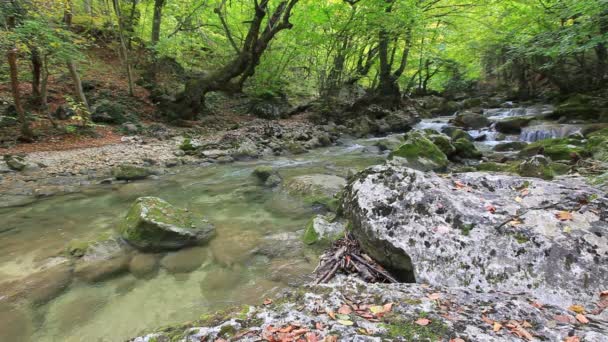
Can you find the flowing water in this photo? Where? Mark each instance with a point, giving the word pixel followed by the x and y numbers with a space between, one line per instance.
pixel 245 215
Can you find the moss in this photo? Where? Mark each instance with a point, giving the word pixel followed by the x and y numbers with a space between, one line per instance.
pixel 459 133
pixel 410 331
pixel 465 229
pixel 444 143
pixel 556 149
pixel 560 168
pixel 310 235
pixel 130 172
pixel 186 145
pixel 421 153
pixel 263 172
pixel 510 146
pixel 77 248
pixel 295 148
pixel 466 149
pixel 520 238
pixel 597 144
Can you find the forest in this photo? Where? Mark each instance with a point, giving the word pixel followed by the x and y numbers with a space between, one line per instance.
pixel 304 170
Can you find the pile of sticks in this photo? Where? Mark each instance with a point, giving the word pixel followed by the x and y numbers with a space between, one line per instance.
pixel 345 256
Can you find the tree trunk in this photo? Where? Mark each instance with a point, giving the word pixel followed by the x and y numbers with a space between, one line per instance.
pixel 26 132
pixel 157 20
pixel 123 46
pixel 67 19
pixel 36 73
pixel 601 51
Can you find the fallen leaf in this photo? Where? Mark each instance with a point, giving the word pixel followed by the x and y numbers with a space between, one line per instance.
pixel 497 326
pixel 345 310
pixel 487 320
pixel 563 318
pixel 520 331
pixel 490 208
pixel 564 215
pixel 267 301
pixel 422 321
pixel 287 329
pixel 345 322
pixel 459 185
pixel 581 318
pixel 537 305
pixel 577 308
pixel 518 199
pixel 388 307
pixel 376 309
pixel 220 340
pixel 330 313
pixel 604 294
pixel 330 338
pixel 311 337
pixel 515 222
pixel 524 192
pixel 434 296
pixel 319 326
pixel 572 339
pixel 457 340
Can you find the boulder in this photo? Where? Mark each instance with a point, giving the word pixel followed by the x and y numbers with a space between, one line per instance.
pixel 465 149
pixel 316 188
pixel 556 149
pixel 468 230
pixel 263 172
pixel 471 120
pixel 513 125
pixel 247 149
pixel 537 166
pixel 15 163
pixel 184 261
pixel 322 228
pixel 510 146
pixel 143 265
pixel 109 112
pixel 153 224
pixel 456 133
pixel 102 269
pixel 444 143
pixel 420 153
pixel 39 287
pixel 130 172
pixel 389 143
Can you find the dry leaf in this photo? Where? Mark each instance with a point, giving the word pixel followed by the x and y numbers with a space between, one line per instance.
pixel 497 326
pixel 520 331
pixel 457 340
pixel 267 301
pixel 319 326
pixel 515 222
pixel 572 339
pixel 524 192
pixel 487 320
pixel 330 338
pixel 459 185
pixel 603 294
pixel 311 337
pixel 564 216
pixel 434 296
pixel 345 322
pixel 388 307
pixel 581 318
pixel 330 313
pixel 518 199
pixel 422 321
pixel 563 318
pixel 345 310
pixel 490 208
pixel 376 309
pixel 537 305
pixel 577 308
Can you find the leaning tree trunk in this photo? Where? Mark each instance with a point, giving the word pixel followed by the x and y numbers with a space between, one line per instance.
pixel 123 46
pixel 67 19
pixel 150 75
pixel 26 132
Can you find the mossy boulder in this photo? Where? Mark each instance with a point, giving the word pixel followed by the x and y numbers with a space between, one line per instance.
pixel 444 143
pixel 420 153
pixel 538 166
pixel 513 125
pixel 597 144
pixel 316 189
pixel 143 265
pixel 111 112
pixel 456 133
pixel 556 149
pixel 494 167
pixel 129 172
pixel 510 146
pixel 263 172
pixel 153 224
pixel 187 145
pixel 471 120
pixel 322 228
pixel 577 107
pixel 465 149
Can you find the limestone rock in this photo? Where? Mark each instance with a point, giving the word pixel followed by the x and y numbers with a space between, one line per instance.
pixel 130 172
pixel 463 230
pixel 538 166
pixel 316 188
pixel 153 224
pixel 420 153
pixel 321 228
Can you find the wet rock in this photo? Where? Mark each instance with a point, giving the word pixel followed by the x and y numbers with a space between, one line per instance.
pixel 184 261
pixel 456 133
pixel 459 231
pixel 263 172
pixel 537 166
pixel 597 144
pixel 513 125
pixel 143 265
pixel 444 143
pixel 316 188
pixel 390 143
pixel 322 228
pixel 510 146
pixel 556 149
pixel 104 269
pixel 40 287
pixel 213 154
pixel 466 150
pixel 420 153
pixel 471 120
pixel 15 163
pixel 246 150
pixel 128 172
pixel 75 312
pixel 153 224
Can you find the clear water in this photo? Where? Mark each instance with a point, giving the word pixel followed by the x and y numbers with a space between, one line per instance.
pixel 245 215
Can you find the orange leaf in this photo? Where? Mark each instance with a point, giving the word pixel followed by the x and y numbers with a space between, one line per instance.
pixel 267 301
pixel 576 308
pixel 603 294
pixel 564 216
pixel 459 185
pixel 537 305
pixel 345 310
pixel 330 338
pixel 497 326
pixel 563 318
pixel 572 339
pixel 319 326
pixel 457 340
pixel 422 321
pixel 581 318
pixel 388 307
pixel 487 320
pixel 330 313
pixel 311 337
pixel 490 208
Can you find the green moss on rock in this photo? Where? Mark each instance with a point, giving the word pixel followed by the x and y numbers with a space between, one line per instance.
pixel 130 172
pixel 466 150
pixel 153 224
pixel 557 149
pixel 420 153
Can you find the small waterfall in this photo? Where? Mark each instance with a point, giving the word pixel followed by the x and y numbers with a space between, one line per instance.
pixel 539 132
pixel 436 124
pixel 501 113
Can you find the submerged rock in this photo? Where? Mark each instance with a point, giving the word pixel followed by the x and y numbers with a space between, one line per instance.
pixel 143 265
pixel 130 172
pixel 40 287
pixel 316 188
pixel 420 153
pixel 184 261
pixel 321 228
pixel 484 231
pixel 153 224
pixel 103 269
pixel 557 149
